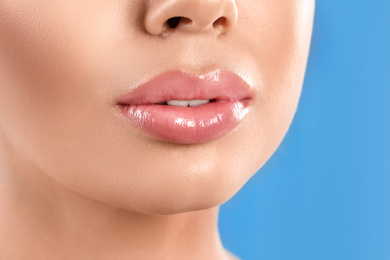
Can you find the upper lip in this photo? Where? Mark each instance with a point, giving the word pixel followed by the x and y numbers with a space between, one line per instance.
pixel 218 85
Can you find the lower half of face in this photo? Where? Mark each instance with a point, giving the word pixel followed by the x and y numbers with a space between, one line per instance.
pixel 63 66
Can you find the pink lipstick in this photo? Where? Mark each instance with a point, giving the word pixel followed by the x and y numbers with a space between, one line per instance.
pixel 181 107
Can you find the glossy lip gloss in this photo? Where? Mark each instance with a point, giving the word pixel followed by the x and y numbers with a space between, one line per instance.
pixel 226 95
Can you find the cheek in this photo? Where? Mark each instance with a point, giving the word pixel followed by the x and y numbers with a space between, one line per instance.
pixel 47 66
pixel 49 107
pixel 280 44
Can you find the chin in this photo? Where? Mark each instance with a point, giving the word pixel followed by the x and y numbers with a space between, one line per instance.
pixel 174 205
pixel 203 193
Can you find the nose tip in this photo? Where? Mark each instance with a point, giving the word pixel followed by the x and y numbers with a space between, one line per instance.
pixel 193 16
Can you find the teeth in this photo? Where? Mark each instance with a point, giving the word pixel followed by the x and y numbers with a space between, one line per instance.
pixel 182 103
pixel 186 103
pixel 197 102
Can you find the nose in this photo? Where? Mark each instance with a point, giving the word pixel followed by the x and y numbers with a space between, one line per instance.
pixel 191 16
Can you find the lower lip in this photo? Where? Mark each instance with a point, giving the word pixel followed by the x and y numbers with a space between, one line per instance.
pixel 187 125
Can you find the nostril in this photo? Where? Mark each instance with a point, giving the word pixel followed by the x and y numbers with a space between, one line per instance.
pixel 174 21
pixel 165 17
pixel 220 23
pixel 178 20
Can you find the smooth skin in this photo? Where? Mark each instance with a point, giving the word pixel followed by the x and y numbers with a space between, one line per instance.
pixel 76 180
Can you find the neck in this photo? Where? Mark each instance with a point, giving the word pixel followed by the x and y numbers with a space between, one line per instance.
pixel 42 219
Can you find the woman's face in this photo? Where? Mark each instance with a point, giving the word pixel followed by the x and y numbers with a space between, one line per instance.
pixel 65 65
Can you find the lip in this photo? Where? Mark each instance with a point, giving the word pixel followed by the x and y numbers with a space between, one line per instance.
pixel 230 97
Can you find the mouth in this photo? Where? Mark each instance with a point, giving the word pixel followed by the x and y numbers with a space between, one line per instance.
pixel 184 108
pixel 187 103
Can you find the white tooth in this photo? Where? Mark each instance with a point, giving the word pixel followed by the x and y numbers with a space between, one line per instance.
pixel 182 103
pixel 197 102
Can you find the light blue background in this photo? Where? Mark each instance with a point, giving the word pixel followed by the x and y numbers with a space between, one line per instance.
pixel 325 193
